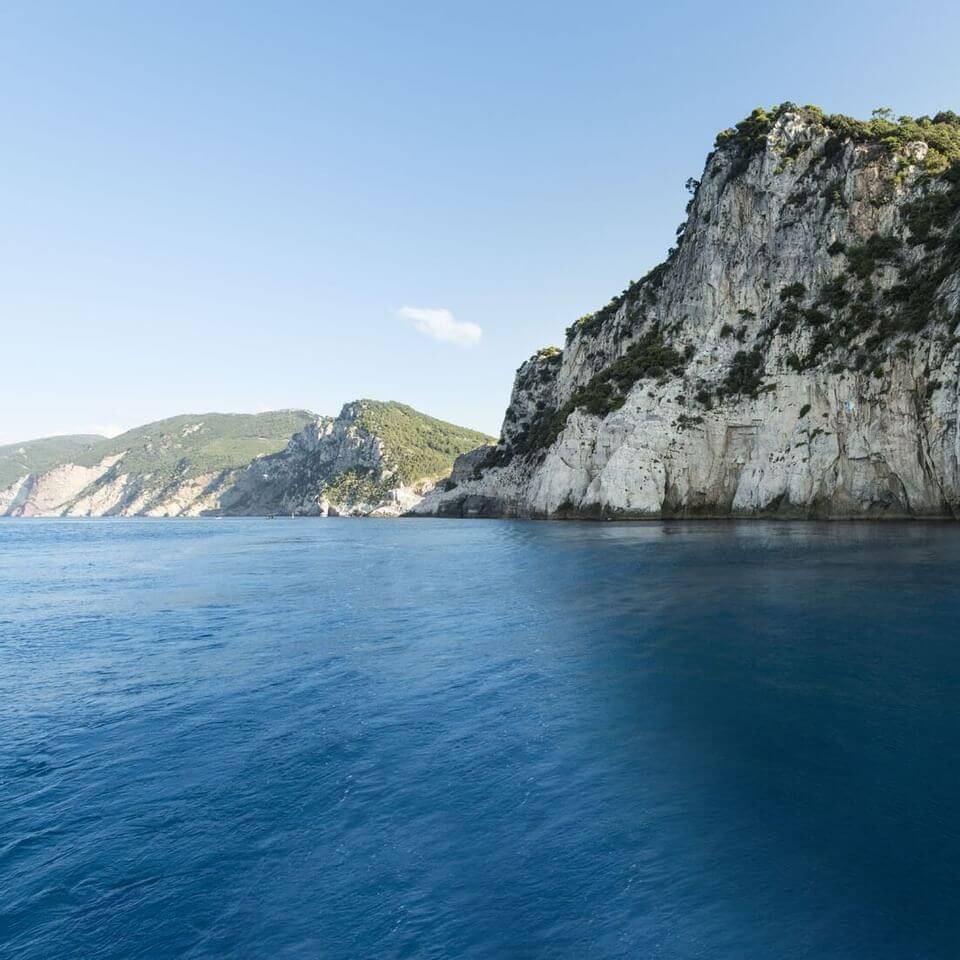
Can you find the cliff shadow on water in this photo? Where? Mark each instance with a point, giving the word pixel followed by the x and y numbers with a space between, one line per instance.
pixel 769 678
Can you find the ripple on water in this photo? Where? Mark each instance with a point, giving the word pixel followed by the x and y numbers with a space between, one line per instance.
pixel 459 739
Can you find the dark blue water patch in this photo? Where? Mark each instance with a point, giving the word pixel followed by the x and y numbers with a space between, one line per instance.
pixel 478 739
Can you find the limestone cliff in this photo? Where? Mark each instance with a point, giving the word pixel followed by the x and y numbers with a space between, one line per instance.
pixel 174 467
pixel 796 355
pixel 374 459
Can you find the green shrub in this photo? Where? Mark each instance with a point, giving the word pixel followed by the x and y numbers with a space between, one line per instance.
pixel 549 354
pixel 815 317
pixel 834 293
pixel 793 291
pixel 357 485
pixel 417 447
pixel 650 356
pixel 833 194
pixel 933 211
pixel 941 134
pixel 821 341
pixel 864 258
pixel 745 376
pixel 787 321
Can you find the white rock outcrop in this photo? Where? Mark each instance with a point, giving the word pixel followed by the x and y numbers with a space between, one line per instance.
pixel 333 467
pixel 798 257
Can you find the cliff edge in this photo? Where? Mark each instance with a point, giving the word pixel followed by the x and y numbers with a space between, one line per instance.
pixel 796 354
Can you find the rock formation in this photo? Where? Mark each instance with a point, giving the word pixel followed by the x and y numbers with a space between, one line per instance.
pixel 374 459
pixel 795 356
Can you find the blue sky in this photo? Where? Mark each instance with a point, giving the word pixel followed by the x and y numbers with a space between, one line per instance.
pixel 243 206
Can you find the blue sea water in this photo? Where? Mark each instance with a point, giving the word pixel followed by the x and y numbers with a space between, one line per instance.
pixel 426 739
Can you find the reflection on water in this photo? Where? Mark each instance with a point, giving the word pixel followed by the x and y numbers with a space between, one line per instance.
pixel 478 739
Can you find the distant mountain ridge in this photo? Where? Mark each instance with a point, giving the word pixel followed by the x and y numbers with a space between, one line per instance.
pixel 374 458
pixel 198 444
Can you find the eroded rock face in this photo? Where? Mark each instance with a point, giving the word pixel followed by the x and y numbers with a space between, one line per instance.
pixel 50 493
pixel 812 362
pixel 377 459
pixel 72 490
pixel 302 479
pixel 307 478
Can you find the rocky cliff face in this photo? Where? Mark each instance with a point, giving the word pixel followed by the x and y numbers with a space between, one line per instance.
pixel 796 355
pixel 374 459
pixel 175 467
pixel 334 466
pixel 107 489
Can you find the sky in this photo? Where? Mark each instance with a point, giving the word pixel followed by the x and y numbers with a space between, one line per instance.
pixel 239 206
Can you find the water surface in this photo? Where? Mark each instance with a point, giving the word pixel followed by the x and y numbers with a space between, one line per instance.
pixel 446 739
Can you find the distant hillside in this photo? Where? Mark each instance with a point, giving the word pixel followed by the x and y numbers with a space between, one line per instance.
pixel 168 468
pixel 418 446
pixel 37 456
pixel 194 445
pixel 375 459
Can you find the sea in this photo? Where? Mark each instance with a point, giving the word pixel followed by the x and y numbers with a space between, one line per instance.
pixel 305 738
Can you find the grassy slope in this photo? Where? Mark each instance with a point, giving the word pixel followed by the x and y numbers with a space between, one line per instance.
pixel 194 444
pixel 38 456
pixel 418 446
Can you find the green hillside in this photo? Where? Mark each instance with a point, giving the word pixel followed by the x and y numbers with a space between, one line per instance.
pixel 194 444
pixel 38 456
pixel 418 446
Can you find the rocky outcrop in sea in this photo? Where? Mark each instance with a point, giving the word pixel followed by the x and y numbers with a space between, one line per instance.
pixel 796 355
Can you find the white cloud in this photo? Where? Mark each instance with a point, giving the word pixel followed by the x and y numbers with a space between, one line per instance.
pixel 442 326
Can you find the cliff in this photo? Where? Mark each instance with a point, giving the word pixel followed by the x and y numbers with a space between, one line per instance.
pixel 18 460
pixel 373 459
pixel 796 355
pixel 174 467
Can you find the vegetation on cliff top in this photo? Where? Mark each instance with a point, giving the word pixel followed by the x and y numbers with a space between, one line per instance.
pixel 417 447
pixel 37 456
pixel 650 282
pixel 941 132
pixel 548 354
pixel 182 448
